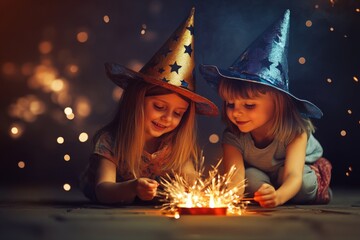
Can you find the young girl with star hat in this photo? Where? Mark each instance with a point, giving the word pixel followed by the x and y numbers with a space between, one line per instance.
pixel 269 135
pixel 153 132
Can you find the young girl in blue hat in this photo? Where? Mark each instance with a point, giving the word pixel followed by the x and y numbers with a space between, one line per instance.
pixel 153 132
pixel 269 134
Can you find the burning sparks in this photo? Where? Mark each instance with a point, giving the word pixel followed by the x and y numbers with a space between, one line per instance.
pixel 214 191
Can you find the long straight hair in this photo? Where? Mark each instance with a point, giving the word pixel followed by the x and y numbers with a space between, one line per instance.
pixel 287 122
pixel 127 131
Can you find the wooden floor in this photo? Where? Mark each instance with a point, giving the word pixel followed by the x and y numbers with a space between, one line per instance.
pixel 47 213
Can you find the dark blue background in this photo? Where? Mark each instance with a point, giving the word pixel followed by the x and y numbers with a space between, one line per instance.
pixel 223 29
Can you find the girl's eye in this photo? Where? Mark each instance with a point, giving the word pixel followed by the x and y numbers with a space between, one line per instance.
pixel 250 106
pixel 178 114
pixel 230 105
pixel 159 107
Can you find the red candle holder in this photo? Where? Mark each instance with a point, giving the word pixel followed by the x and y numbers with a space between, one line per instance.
pixel 183 210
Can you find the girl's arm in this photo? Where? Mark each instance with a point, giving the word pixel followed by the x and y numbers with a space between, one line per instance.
pixel 233 157
pixel 291 179
pixel 109 191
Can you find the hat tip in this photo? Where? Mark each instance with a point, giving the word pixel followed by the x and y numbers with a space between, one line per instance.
pixel 287 13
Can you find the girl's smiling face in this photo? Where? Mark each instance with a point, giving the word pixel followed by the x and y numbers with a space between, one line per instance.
pixel 253 114
pixel 163 114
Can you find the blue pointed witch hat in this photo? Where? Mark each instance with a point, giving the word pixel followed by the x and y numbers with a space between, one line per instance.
pixel 264 62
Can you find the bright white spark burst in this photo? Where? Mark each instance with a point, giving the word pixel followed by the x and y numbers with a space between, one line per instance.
pixel 212 191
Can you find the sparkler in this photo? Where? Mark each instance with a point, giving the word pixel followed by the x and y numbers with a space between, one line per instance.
pixel 215 194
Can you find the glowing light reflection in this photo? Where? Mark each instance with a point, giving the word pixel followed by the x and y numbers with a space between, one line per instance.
pixel 67 187
pixel 21 164
pixel 45 47
pixel 83 137
pixel 343 133
pixel 106 19
pixel 302 60
pixel 60 140
pixel 83 106
pixel 16 130
pixel 82 37
pixel 214 138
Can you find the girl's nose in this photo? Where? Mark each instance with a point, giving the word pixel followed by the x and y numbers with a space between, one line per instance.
pixel 237 112
pixel 166 116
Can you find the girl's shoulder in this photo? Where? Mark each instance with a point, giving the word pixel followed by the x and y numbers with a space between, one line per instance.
pixel 105 136
pixel 104 143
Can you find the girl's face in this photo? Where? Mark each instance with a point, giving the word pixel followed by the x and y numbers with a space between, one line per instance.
pixel 163 114
pixel 252 114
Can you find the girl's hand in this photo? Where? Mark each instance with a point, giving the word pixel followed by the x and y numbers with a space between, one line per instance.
pixel 266 196
pixel 146 188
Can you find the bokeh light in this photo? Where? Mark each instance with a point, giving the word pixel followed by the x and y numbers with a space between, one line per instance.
pixel 214 138
pixel 106 19
pixel 68 110
pixel 57 85
pixel 83 137
pixel 45 47
pixel 302 60
pixel 83 106
pixel 60 140
pixel 16 130
pixel 67 157
pixel 21 164
pixel 82 37
pixel 67 187
pixel 27 69
pixel 70 116
pixel 27 108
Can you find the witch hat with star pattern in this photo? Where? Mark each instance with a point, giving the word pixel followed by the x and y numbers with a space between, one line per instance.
pixel 172 67
pixel 264 62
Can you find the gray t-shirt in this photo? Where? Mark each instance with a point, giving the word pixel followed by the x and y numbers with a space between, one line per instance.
pixel 272 157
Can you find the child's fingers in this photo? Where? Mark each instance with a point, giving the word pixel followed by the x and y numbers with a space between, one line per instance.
pixel 153 183
pixel 148 184
pixel 146 188
pixel 264 189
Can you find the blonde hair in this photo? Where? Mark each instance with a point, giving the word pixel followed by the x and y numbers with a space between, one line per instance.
pixel 287 122
pixel 127 130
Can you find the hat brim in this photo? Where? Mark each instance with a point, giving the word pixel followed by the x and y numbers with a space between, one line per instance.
pixel 213 74
pixel 121 76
